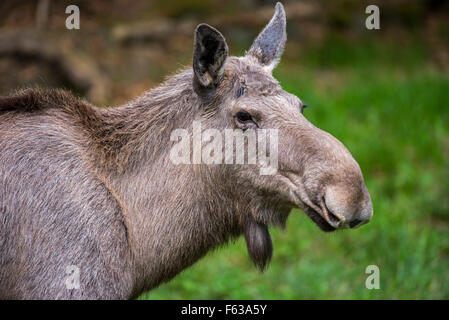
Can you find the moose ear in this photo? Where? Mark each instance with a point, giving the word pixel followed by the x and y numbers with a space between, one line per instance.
pixel 269 44
pixel 209 55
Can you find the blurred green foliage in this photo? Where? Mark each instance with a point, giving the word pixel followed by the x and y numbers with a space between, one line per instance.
pixel 390 107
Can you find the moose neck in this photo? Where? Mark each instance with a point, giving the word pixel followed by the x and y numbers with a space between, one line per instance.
pixel 174 213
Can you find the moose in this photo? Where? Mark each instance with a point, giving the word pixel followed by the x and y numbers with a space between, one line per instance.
pixel 95 189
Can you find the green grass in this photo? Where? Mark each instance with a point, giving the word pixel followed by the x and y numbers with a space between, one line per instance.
pixel 390 107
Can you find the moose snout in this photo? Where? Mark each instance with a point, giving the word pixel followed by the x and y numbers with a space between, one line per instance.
pixel 347 207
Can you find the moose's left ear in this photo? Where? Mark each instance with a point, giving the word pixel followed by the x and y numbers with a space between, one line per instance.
pixel 209 55
pixel 269 44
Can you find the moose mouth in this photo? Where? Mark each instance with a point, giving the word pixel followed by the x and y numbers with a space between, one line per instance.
pixel 326 225
pixel 318 219
pixel 320 214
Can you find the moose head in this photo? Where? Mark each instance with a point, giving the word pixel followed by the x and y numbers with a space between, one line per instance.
pixel 315 172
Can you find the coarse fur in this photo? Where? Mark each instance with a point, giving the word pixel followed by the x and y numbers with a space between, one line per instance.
pixel 95 188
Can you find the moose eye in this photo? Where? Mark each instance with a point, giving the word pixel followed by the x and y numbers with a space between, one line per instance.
pixel 304 106
pixel 243 117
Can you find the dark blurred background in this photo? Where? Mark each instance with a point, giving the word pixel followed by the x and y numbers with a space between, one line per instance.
pixel 124 47
pixel 383 93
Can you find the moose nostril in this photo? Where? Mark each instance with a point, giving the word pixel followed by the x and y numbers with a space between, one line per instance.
pixel 350 206
pixel 354 223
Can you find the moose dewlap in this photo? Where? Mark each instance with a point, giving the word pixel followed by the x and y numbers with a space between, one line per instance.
pixel 92 205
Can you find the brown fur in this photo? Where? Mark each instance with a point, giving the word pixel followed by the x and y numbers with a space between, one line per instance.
pixel 95 188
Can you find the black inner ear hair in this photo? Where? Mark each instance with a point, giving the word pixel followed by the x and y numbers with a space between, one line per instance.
pixel 211 46
pixel 210 53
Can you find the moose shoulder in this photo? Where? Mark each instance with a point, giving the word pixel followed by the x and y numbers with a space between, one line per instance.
pixel 94 190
